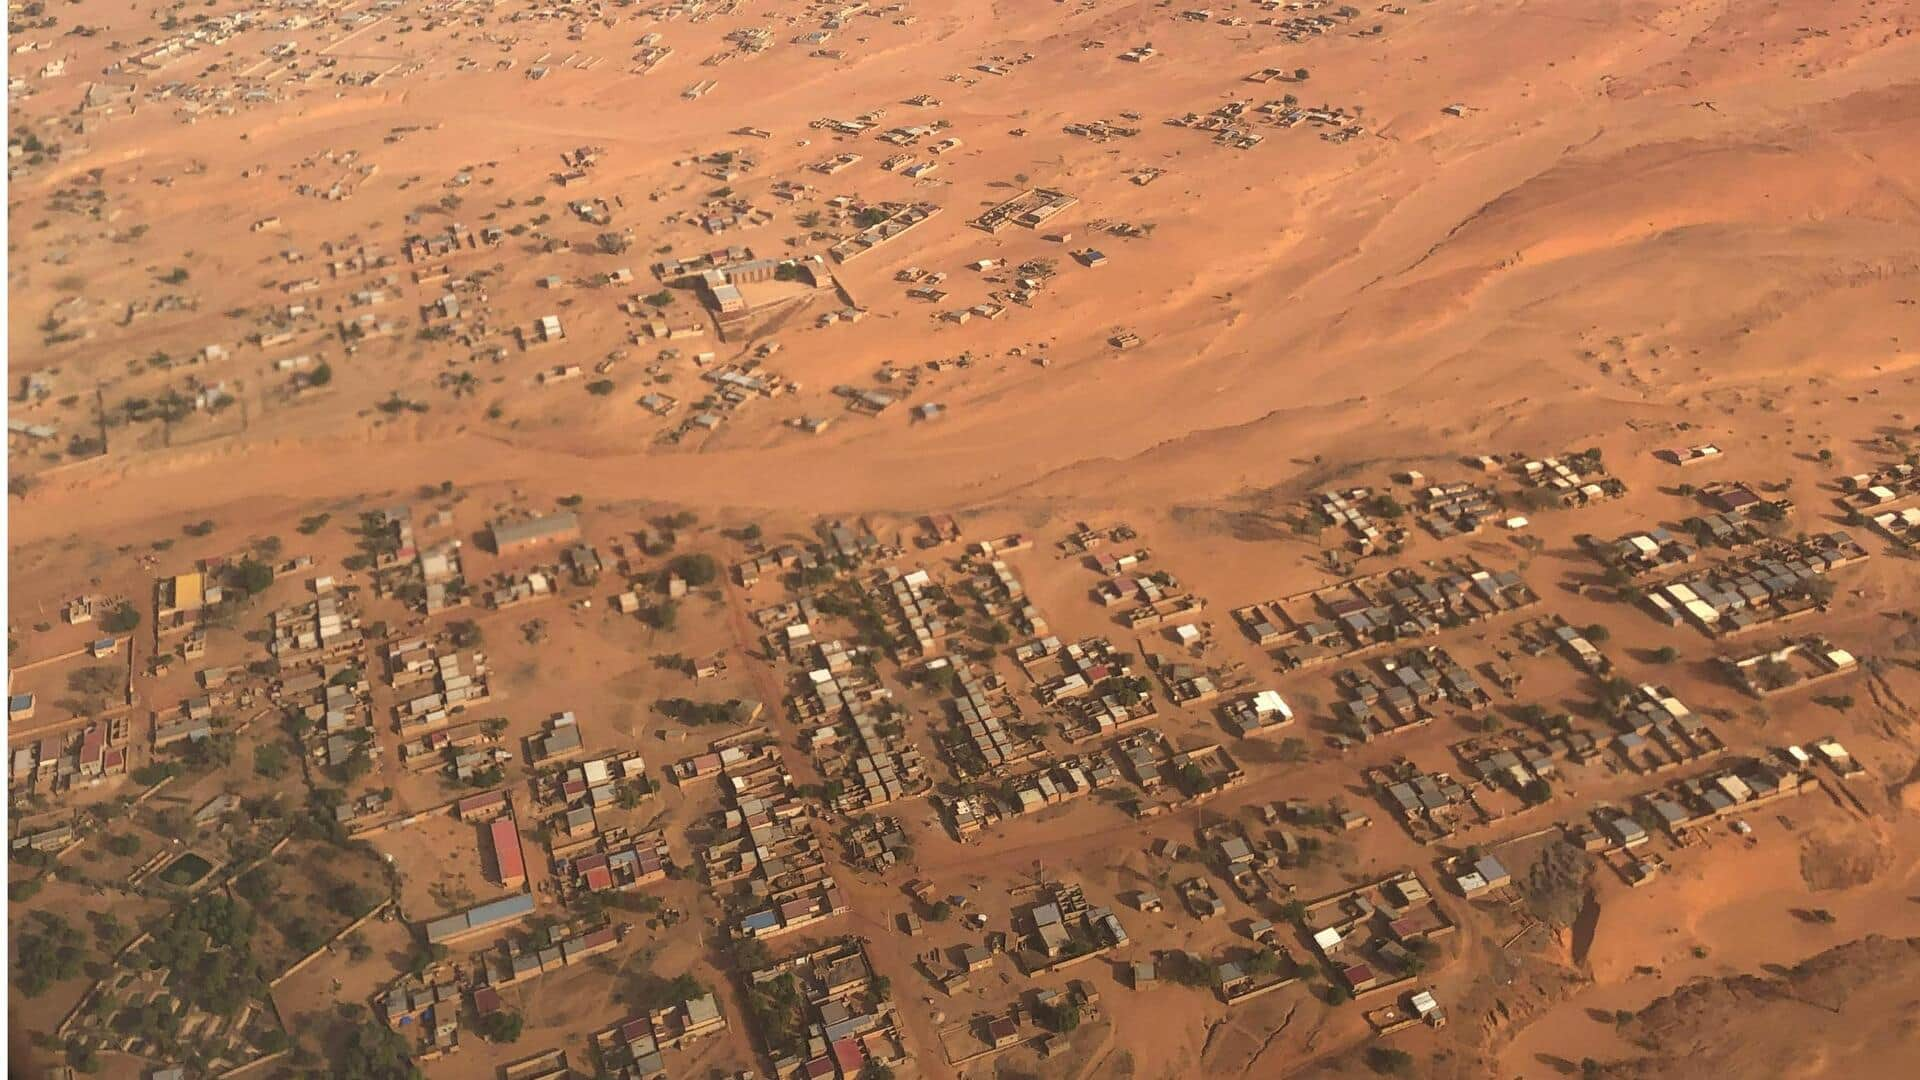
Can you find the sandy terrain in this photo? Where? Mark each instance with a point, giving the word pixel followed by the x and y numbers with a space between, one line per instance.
pixel 1645 226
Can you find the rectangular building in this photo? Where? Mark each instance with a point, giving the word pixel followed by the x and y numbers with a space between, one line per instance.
pixel 507 858
pixel 515 536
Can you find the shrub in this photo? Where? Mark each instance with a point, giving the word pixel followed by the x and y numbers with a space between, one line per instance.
pixel 1387 1061
pixel 122 619
pixel 252 576
pixel 695 570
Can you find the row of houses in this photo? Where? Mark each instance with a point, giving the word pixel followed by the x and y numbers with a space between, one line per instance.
pixel 55 763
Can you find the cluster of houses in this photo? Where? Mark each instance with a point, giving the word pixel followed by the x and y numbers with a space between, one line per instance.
pixel 892 220
pixel 986 734
pixel 334 702
pixel 876 844
pixel 1452 508
pixel 1736 788
pixel 1227 123
pixel 553 949
pixel 632 863
pixel 1645 551
pixel 1744 592
pixel 434 683
pixel 1658 731
pixel 1516 761
pixel 913 604
pixel 767 856
pixel 1354 510
pixel 577 795
pixel 56 763
pixel 766 859
pixel 630 1050
pixel 827 1014
pixel 1088 684
pixel 1573 479
pixel 1367 936
pixel 1791 665
pixel 1030 209
pixel 1000 591
pixel 1882 498
pixel 1890 485
pixel 1060 780
pixel 1366 612
pixel 858 742
pixel 1065 929
pixel 1432 806
pixel 1397 693
pixel 1258 713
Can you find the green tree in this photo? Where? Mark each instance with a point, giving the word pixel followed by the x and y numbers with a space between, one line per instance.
pixel 664 615
pixel 121 620
pixel 252 576
pixel 373 1052
pixel 696 569
pixel 46 952
pixel 501 1027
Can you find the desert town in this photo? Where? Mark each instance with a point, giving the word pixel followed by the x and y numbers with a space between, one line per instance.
pixel 854 541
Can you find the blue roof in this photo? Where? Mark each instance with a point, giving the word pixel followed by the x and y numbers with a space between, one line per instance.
pixel 510 908
pixel 451 926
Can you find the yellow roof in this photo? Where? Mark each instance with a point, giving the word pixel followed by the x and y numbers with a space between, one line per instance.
pixel 188 592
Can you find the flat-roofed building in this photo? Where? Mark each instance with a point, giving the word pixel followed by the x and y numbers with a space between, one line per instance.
pixel 514 536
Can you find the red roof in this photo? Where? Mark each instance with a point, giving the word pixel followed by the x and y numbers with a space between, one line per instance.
pixel 590 862
pixel 847 1053
pixel 820 1066
pixel 506 849
pixel 599 878
pixel 480 802
pixel 486 1000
